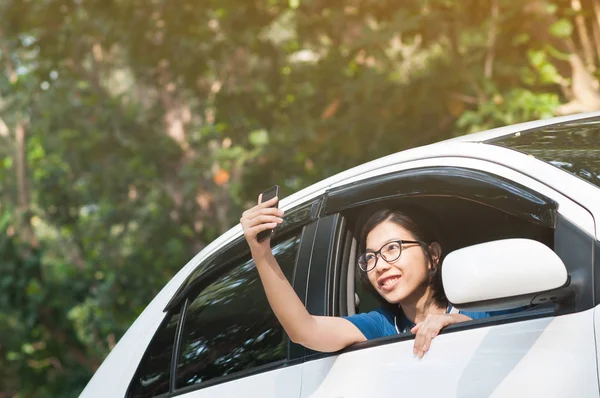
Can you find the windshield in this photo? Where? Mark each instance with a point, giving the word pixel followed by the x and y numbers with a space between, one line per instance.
pixel 572 146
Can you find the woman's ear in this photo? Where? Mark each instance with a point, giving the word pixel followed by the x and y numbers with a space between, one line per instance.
pixel 436 253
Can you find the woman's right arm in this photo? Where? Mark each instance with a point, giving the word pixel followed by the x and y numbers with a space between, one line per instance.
pixel 320 333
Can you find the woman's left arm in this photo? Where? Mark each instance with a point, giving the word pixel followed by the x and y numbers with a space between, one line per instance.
pixel 425 331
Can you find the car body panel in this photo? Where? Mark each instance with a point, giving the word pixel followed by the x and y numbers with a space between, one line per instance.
pixel 278 383
pixel 547 357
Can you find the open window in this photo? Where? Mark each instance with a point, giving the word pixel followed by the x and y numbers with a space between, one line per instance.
pixel 467 207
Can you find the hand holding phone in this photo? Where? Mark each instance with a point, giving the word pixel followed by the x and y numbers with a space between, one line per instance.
pixel 265 196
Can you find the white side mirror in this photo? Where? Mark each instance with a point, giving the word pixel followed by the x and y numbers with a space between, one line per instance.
pixel 502 274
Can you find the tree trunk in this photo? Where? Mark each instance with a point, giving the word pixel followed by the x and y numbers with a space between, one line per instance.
pixel 584 37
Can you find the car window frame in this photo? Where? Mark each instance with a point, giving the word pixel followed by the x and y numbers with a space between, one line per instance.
pixel 339 240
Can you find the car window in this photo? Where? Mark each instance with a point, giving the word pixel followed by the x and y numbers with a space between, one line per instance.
pixel 457 223
pixel 573 147
pixel 229 327
pixel 154 372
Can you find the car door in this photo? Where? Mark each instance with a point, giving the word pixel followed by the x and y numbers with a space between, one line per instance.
pixel 534 353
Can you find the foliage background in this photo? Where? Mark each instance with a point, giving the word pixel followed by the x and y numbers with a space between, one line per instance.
pixel 134 132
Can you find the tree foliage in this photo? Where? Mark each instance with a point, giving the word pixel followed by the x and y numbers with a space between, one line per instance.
pixel 132 133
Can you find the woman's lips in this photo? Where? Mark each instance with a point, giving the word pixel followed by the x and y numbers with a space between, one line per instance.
pixel 388 283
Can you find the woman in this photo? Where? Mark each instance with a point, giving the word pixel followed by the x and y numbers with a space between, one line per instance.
pixel 401 263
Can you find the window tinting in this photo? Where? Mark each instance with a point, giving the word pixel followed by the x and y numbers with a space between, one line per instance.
pixel 152 376
pixel 229 326
pixel 573 147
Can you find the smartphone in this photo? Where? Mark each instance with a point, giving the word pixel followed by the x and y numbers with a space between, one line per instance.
pixel 268 195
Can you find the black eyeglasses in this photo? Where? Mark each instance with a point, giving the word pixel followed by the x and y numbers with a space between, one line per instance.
pixel 390 252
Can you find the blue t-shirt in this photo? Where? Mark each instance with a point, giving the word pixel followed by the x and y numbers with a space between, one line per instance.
pixel 380 322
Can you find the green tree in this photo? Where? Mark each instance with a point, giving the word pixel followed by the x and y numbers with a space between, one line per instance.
pixel 132 133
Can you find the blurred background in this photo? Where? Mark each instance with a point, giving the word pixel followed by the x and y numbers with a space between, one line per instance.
pixel 134 132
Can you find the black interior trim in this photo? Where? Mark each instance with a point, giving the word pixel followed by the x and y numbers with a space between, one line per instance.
pixel 301 277
pixel 458 182
pixel 323 258
pixel 345 242
pixel 333 275
pixel 317 287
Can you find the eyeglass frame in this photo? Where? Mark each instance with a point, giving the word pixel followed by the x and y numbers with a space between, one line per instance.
pixel 379 253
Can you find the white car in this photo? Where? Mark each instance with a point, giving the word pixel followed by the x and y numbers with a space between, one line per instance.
pixel 520 210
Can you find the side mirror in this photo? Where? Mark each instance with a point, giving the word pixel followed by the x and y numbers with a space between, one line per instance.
pixel 502 274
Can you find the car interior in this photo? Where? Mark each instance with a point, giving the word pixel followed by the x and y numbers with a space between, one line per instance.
pixel 459 223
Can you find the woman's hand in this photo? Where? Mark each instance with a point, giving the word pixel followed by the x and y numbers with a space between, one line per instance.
pixel 259 218
pixel 428 329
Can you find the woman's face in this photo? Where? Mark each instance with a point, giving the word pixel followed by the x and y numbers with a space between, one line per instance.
pixel 400 279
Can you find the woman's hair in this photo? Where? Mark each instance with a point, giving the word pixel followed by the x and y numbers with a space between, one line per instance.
pixel 417 223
